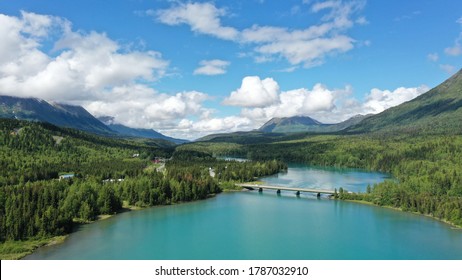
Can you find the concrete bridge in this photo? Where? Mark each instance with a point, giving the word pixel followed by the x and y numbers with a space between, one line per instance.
pixel 280 188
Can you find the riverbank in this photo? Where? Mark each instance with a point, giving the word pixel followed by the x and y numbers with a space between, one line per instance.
pixel 189 231
pixel 15 250
pixel 11 251
pixel 453 226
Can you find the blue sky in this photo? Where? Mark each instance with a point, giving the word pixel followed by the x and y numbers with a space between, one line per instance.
pixel 191 68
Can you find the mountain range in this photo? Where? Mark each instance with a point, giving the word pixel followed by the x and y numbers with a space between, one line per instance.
pixel 137 132
pixel 437 111
pixel 306 124
pixel 34 109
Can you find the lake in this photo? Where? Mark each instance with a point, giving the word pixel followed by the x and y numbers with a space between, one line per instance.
pixel 252 225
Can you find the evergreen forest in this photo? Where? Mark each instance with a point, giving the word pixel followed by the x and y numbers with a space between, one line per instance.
pixel 102 176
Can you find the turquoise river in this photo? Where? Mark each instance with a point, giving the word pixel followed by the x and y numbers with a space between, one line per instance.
pixel 252 225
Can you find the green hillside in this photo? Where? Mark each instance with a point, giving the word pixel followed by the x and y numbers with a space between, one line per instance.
pixel 419 143
pixel 52 178
pixel 439 111
pixel 34 109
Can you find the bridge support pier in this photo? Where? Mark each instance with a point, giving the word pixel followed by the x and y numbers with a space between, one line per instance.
pixel 278 191
pixel 318 195
pixel 260 190
pixel 297 193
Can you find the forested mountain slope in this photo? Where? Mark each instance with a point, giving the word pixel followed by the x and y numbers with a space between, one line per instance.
pixel 306 124
pixel 35 109
pixel 438 111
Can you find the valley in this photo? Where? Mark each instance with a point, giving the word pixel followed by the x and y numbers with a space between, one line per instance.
pixel 421 149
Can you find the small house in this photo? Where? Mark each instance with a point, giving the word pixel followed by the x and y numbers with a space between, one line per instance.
pixel 66 176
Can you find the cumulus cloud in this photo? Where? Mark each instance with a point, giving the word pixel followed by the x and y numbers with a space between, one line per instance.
pixel 308 47
pixel 139 106
pixel 192 130
pixel 201 17
pixel 297 102
pixel 83 67
pixel 95 71
pixel 212 67
pixel 254 93
pixel 89 69
pixel 262 100
pixel 379 100
pixel 320 102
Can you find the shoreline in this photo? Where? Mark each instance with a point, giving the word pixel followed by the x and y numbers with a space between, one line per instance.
pixel 452 225
pixel 56 240
pixel 17 250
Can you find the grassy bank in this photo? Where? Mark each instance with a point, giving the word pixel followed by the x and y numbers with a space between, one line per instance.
pixel 15 250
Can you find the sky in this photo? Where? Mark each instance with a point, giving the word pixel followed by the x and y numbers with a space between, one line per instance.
pixel 192 68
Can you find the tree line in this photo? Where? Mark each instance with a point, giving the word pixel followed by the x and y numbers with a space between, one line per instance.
pixel 427 169
pixel 108 174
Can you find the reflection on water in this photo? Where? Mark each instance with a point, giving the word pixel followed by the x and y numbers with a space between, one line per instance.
pixel 302 176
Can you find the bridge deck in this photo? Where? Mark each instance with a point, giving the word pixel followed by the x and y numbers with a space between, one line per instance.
pixel 254 186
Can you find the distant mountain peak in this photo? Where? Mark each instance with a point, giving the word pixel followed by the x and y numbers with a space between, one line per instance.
pixel 66 115
pixel 278 123
pixel 36 109
pixel 137 132
pixel 305 124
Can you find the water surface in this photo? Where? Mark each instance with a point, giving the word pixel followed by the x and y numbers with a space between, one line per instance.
pixel 252 225
pixel 328 178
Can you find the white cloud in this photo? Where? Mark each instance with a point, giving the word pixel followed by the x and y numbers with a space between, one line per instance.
pixel 450 69
pixel 91 70
pixel 139 106
pixel 296 102
pixel 362 21
pixel 319 6
pixel 176 107
pixel 379 100
pixel 188 129
pixel 262 100
pixel 433 57
pixel 307 52
pixel 254 93
pixel 455 50
pixel 308 47
pixel 320 102
pixel 83 67
pixel 311 45
pixel 212 67
pixel 201 17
